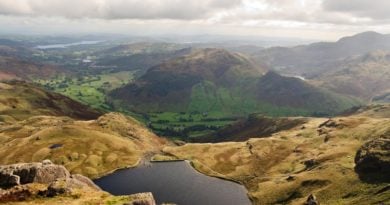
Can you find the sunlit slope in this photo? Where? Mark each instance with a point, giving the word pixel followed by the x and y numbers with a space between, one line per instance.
pixel 316 157
pixel 21 100
pixel 92 148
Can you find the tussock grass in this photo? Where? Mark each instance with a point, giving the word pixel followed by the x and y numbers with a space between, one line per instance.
pixel 265 165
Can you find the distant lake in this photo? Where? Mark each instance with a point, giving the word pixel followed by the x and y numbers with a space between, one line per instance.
pixel 65 45
pixel 174 182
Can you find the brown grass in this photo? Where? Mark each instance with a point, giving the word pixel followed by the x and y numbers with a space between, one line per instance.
pixel 263 165
pixel 92 148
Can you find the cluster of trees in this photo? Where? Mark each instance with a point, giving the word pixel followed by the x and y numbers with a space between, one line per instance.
pixel 182 133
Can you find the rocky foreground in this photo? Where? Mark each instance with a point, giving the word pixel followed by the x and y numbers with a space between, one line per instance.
pixel 47 183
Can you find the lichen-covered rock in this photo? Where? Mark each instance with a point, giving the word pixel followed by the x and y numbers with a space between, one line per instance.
pixel 17 174
pixel 64 186
pixel 373 160
pixel 30 181
pixel 86 181
pixel 43 173
pixel 141 199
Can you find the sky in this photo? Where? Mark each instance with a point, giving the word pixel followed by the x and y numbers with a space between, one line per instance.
pixel 305 19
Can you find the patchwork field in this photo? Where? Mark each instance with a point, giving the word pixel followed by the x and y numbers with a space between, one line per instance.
pixel 89 90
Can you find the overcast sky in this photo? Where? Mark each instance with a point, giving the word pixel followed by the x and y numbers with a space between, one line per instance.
pixel 311 19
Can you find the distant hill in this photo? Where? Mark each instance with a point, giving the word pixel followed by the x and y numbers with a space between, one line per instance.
pixel 16 68
pixel 308 60
pixel 7 42
pixel 139 48
pixel 174 85
pixel 365 76
pixel 141 61
pixel 21 100
pixel 296 93
pixel 215 80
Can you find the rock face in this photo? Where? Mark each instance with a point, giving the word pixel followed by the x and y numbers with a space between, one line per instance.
pixel 18 182
pixel 373 160
pixel 18 174
pixel 57 177
pixel 141 199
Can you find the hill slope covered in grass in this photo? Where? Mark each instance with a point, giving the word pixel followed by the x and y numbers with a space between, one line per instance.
pixel 222 83
pixel 20 100
pixel 92 148
pixel 172 85
pixel 16 68
pixel 343 160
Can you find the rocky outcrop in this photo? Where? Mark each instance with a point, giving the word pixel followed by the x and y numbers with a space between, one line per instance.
pixel 18 174
pixel 21 182
pixel 56 177
pixel 141 199
pixel 373 160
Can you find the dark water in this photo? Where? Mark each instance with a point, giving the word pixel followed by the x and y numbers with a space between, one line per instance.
pixel 174 182
pixel 55 146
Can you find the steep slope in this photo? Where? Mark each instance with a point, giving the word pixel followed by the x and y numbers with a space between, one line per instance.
pixel 16 68
pixel 308 60
pixel 222 83
pixel 21 100
pixel 296 93
pixel 365 76
pixel 315 158
pixel 170 86
pixel 92 148
pixel 252 126
pixel 372 110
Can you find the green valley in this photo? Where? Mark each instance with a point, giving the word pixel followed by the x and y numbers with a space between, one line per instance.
pixel 89 89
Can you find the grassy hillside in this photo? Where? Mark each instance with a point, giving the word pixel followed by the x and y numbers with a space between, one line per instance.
pixel 218 84
pixel 16 68
pixel 252 126
pixel 296 93
pixel 168 86
pixel 21 100
pixel 92 148
pixel 315 157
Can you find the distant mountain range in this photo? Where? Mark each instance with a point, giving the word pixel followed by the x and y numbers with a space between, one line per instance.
pixel 357 65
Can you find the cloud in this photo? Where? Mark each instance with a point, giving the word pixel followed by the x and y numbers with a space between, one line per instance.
pixel 117 9
pixel 253 17
pixel 334 12
pixel 373 9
